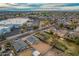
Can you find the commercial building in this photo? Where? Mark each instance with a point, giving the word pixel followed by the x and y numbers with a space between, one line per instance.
pixel 14 22
pixel 4 29
pixel 7 25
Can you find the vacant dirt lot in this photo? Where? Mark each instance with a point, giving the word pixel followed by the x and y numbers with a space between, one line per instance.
pixel 27 52
pixel 54 52
pixel 42 47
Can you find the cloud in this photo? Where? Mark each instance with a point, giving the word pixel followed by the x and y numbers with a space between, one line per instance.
pixel 40 6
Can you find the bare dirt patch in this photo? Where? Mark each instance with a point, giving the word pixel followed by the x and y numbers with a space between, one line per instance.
pixel 42 47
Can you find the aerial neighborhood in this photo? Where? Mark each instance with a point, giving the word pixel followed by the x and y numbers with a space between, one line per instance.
pixel 39 33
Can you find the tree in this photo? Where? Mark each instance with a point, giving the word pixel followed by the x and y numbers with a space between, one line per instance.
pixel 61 25
pixel 0 48
pixel 35 27
pixel 7 44
pixel 3 37
pixel 73 24
pixel 72 38
pixel 23 27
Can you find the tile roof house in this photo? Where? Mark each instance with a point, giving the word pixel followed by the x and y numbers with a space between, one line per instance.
pixel 61 33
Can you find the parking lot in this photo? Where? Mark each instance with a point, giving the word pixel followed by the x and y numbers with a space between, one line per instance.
pixel 13 32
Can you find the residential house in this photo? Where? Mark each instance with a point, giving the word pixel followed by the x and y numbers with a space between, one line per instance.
pixel 32 40
pixel 19 45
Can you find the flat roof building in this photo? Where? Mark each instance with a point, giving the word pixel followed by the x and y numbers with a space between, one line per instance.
pixel 18 21
pixel 7 25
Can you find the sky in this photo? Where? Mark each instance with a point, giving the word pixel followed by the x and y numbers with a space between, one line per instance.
pixel 39 6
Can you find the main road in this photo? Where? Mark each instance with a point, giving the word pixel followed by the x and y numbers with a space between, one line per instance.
pixel 29 32
pixel 21 35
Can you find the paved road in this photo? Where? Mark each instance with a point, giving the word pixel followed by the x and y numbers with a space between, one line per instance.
pixel 29 32
pixel 26 33
pixel 14 32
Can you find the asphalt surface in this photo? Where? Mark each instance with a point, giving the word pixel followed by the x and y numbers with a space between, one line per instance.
pixel 28 33
pixel 14 32
pixel 25 34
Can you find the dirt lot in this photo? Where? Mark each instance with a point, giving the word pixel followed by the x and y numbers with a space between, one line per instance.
pixel 27 52
pixel 41 47
pixel 54 52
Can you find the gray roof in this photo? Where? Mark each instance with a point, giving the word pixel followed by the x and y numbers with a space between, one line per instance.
pixel 32 40
pixel 19 45
pixel 33 22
